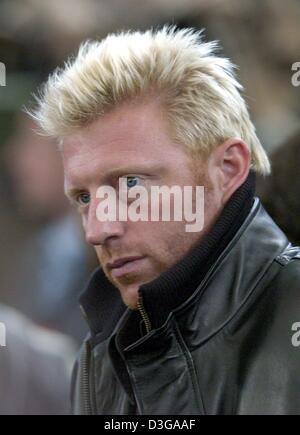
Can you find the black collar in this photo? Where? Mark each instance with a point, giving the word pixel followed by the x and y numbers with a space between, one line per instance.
pixel 102 303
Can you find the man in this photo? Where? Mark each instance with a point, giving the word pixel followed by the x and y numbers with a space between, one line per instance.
pixel 182 322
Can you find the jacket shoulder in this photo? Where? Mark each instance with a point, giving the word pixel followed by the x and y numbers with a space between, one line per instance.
pixel 288 278
pixel 290 254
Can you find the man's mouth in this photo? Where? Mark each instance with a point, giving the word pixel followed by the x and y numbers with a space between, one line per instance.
pixel 124 265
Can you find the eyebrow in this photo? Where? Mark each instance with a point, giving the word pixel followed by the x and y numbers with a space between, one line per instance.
pixel 134 169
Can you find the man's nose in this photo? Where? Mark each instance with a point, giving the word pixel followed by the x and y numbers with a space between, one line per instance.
pixel 99 232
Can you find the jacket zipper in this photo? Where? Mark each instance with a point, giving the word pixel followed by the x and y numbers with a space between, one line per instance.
pixel 144 315
pixel 85 382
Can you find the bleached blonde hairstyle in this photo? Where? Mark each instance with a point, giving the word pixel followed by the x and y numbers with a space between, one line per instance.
pixel 198 89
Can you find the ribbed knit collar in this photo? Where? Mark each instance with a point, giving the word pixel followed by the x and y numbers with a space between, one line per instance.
pixel 102 302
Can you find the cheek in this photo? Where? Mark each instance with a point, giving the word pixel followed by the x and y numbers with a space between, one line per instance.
pixel 165 242
pixel 99 253
pixel 83 221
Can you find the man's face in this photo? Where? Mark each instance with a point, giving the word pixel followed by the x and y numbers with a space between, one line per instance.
pixel 133 141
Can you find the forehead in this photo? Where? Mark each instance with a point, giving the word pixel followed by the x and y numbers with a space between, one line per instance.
pixel 133 134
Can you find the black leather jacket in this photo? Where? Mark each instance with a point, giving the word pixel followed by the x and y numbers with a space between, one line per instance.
pixel 229 349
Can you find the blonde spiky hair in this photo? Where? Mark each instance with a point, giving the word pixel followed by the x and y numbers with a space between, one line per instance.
pixel 198 89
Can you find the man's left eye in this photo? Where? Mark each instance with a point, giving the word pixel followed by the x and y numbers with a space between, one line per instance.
pixel 132 181
pixel 83 198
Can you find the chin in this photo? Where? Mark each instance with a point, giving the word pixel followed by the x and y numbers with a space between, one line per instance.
pixel 130 296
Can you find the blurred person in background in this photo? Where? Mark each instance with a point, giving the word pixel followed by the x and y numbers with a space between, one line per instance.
pixel 35 368
pixel 35 364
pixel 51 263
pixel 280 193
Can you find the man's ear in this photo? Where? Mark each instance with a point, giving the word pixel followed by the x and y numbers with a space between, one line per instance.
pixel 231 160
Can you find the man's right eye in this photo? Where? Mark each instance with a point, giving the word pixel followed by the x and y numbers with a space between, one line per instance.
pixel 83 198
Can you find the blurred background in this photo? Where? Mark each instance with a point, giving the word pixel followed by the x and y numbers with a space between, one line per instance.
pixel 44 262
